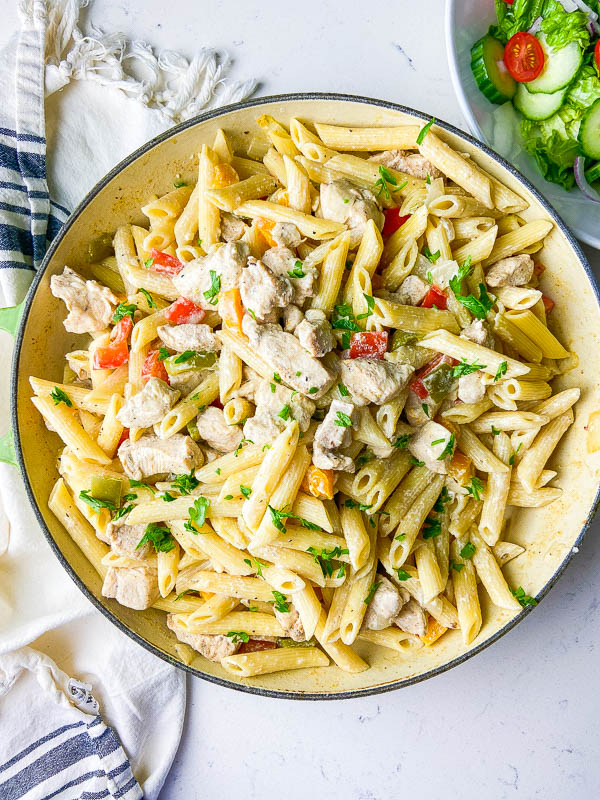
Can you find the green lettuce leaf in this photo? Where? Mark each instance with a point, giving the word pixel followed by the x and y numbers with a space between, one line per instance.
pixel 519 16
pixel 561 27
pixel 553 143
pixel 585 89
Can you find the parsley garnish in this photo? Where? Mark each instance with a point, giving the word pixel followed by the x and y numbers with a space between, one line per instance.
pixel 252 314
pixel 313 390
pixel 464 368
pixel 495 431
pixel 524 599
pixel 228 497
pixel 197 514
pixel 342 420
pixel 425 408
pixel 238 636
pixel 124 310
pixel 215 287
pixel 160 538
pixel 272 386
pixel 442 500
pixel 370 306
pixel 285 412
pixel 139 485
pixel 297 272
pixel 403 575
pixel 343 318
pixel 280 602
pixel 425 130
pixel 298 374
pixel 501 371
pixel 148 296
pixel 185 356
pixel 402 441
pixel 475 488
pixel 371 593
pixel 94 502
pixel 432 257
pixel 186 591
pixel 246 491
pixel 467 551
pixel 61 397
pixel 185 483
pixel 464 271
pixel 400 538
pixel 416 463
pixel 478 307
pixel 121 512
pixel 278 515
pixel 428 179
pixel 178 184
pixel 167 497
pixel 448 449
pixel 455 566
pixel 349 503
pixel 148 263
pixel 511 460
pixel 432 528
pixel 276 377
pixel 218 470
pixel 239 447
pixel 163 354
pixel 258 565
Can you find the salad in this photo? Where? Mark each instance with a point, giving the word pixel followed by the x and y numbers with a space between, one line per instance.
pixel 543 56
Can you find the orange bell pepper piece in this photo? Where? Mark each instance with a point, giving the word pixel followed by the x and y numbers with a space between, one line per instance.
pixel 548 303
pixel 318 482
pixel 231 309
pixel 433 632
pixel 538 268
pixel 265 226
pixel 224 175
pixel 461 468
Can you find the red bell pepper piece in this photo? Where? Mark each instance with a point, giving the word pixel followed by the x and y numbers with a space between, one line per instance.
pixel 369 344
pixel 165 264
pixel 253 645
pixel 184 311
pixel 116 353
pixel 435 297
pixel 153 368
pixel 217 404
pixel 393 220
pixel 548 303
pixel 417 385
pixel 124 437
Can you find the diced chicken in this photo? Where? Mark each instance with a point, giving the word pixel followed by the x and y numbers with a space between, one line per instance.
pixel 291 623
pixel 195 278
pixel 232 227
pixel 332 435
pixel 419 412
pixel 385 605
pixel 512 271
pixel 285 234
pixel 251 382
pixel 286 355
pixel 343 201
pixel 411 291
pixel 411 618
pixel 213 428
pixel 370 380
pixel 212 647
pixel 292 317
pixel 315 333
pixel 471 388
pixel 479 332
pixel 123 540
pixel 150 455
pixel 189 336
pixel 262 428
pixel 271 397
pixel 90 305
pixel 134 587
pixel 144 409
pixel 411 163
pixel 281 261
pixel 186 382
pixel 262 290
pixel 433 445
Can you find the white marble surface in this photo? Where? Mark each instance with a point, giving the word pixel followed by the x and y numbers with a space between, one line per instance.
pixel 521 719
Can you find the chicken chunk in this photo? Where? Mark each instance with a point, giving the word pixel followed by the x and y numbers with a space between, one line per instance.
pixel 285 234
pixel 225 262
pixel 134 587
pixel 315 333
pixel 433 444
pixel 292 317
pixel 215 431
pixel 144 409
pixel 343 201
pixel 411 618
pixel 124 539
pixel 186 382
pixel 282 262
pixel 370 380
pixel 419 412
pixel 214 648
pixel 291 623
pixel 471 388
pixel 385 605
pixel 411 291
pixel 411 163
pixel 232 227
pixel 150 455
pixel 90 305
pixel 271 397
pixel 332 435
pixel 288 358
pixel 512 271
pixel 479 332
pixel 262 290
pixel 262 428
pixel 189 336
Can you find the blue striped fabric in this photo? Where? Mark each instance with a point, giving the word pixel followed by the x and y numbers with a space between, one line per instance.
pixel 81 761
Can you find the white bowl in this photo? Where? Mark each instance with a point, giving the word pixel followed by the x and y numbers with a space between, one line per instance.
pixel 466 21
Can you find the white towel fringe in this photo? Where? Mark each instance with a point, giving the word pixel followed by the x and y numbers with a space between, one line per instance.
pixel 168 82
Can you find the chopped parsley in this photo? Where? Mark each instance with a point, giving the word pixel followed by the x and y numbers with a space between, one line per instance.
pixel 185 356
pixel 424 131
pixel 272 387
pixel 432 257
pixel 403 575
pixel 218 470
pixel 246 491
pixel 95 503
pixel 343 318
pixel 238 636
pixel 430 277
pixel 524 599
pixel 148 296
pixel 148 263
pixel 252 314
pixel 178 184
pixel 258 565
pixel 185 483
pixel 124 310
pixel 425 408
pixel 280 602
pixel 400 538
pixel 313 390
pixel 276 377
pixel 371 593
pixel 402 441
pixel 163 354
pixel 370 306
pixel 212 294
pixel 297 272
pixel 479 307
pixel 349 503
pixel 61 397
pixel 428 179
pixel 159 537
pixel 495 431
pixel 511 460
pixel 501 371
pixel 432 528
pixel 279 515
pixel 239 447
pixel 456 566
pixel 416 463
pixel 464 271
pixel 468 551
pixel 342 420
pixel 448 449
pixel 464 368
pixel 121 512
pixel 298 374
pixel 475 488
pixel 228 497
pixel 167 497
pixel 186 591
pixel 442 500
pixel 139 485
pixel 285 412
pixel 197 514
pixel 342 570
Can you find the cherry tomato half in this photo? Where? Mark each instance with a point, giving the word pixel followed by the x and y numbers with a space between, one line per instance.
pixel 597 55
pixel 524 57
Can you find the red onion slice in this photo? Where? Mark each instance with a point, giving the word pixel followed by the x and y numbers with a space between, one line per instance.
pixel 581 181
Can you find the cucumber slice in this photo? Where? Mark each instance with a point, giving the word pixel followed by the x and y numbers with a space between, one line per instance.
pixel 538 106
pixel 560 67
pixel 491 76
pixel 593 173
pixel 589 131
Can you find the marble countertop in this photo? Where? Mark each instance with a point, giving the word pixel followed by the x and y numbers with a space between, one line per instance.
pixel 522 718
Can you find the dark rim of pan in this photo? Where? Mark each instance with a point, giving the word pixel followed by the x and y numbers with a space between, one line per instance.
pixel 284 98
